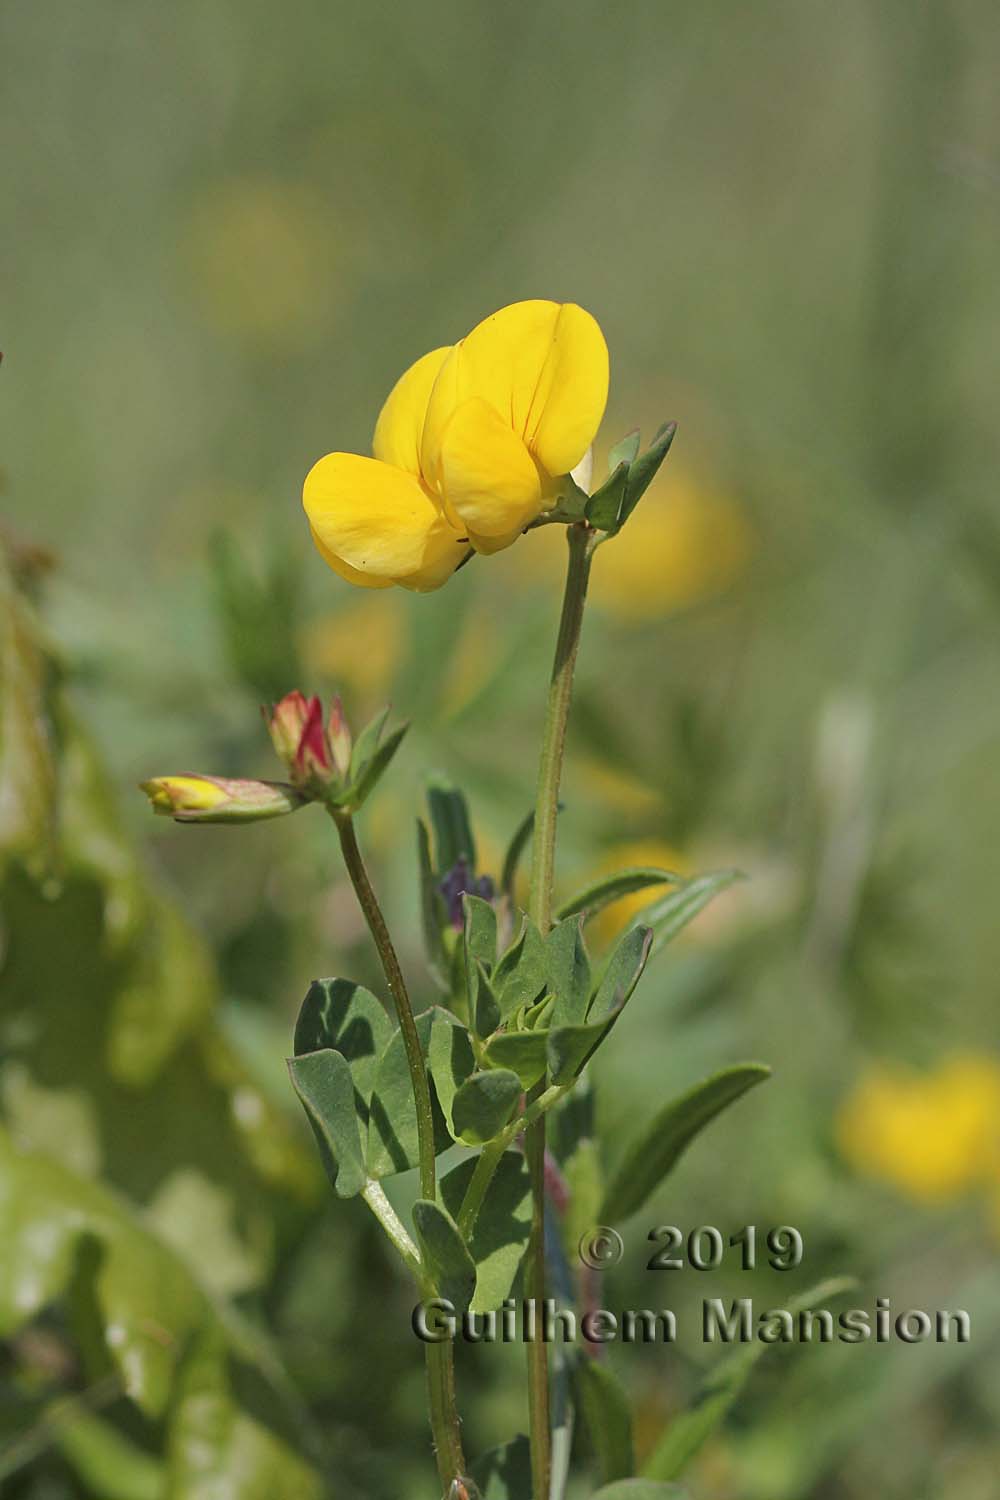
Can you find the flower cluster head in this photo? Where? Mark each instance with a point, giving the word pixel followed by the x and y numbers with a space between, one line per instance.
pixel 471 446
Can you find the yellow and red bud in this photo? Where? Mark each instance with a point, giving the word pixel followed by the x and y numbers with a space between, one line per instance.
pixel 298 735
pixel 220 799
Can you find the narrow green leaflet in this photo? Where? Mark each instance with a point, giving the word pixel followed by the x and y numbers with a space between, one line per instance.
pixel 642 471
pixel 600 893
pixel 604 1406
pixel 569 1048
pixel 512 858
pixel 343 1015
pixel 432 910
pixel 483 1105
pixel 687 1432
pixel 500 1234
pixel 108 1462
pixel 505 1473
pixel 325 1087
pixel 639 1489
pixel 605 505
pixel 523 1051
pixel 624 452
pixel 452 830
pixel 366 744
pixel 673 912
pixel 658 1148
pixel 451 1061
pixel 375 768
pixel 444 1253
pixel 623 972
pixel 568 972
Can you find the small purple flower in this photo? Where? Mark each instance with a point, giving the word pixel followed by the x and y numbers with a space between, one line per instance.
pixel 459 882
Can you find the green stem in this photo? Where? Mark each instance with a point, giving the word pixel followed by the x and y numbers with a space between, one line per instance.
pixel 490 1156
pixel 581 540
pixel 440 1358
pixel 368 902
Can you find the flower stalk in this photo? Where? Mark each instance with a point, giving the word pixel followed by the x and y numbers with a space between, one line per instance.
pixel 582 541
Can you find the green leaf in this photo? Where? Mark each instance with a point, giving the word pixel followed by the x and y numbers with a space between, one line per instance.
pixel 521 972
pixel 568 972
pixel 600 893
pixel 374 768
pixel 502 1227
pixel 639 1489
pixel 485 1010
pixel 570 1048
pixel 625 451
pixel 505 1472
pixel 483 1105
pixel 605 1408
pixel 658 1148
pixel 512 858
pixel 366 744
pixel 324 1084
pixel 452 830
pixel 668 916
pixel 523 1051
pixel 104 1459
pixel 343 1015
pixel 623 972
pixel 444 1253
pixel 392 1122
pixel 451 1061
pixel 432 911
pixel 643 470
pixel 688 1431
pixel 605 504
pixel 480 932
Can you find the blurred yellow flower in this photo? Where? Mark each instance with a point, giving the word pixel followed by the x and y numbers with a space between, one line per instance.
pixel 259 255
pixel 615 918
pixel 682 544
pixel 467 449
pixel 330 646
pixel 932 1135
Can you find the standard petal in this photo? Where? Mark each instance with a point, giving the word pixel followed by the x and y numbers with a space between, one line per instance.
pixel 490 482
pixel 504 357
pixel 571 393
pixel 401 421
pixel 375 524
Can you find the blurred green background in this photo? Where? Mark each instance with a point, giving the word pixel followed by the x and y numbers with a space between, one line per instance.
pixel 228 228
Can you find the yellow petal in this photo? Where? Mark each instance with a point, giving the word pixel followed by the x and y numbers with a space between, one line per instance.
pixel 375 524
pixel 490 483
pixel 571 393
pixel 401 421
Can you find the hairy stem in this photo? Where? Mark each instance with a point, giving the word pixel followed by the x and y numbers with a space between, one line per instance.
pixel 445 1423
pixel 581 541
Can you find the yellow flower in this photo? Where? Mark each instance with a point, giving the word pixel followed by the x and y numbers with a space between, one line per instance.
pixel 219 799
pixel 468 449
pixel 932 1135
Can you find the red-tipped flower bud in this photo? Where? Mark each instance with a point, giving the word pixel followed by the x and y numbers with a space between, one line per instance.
pixel 297 733
pixel 219 799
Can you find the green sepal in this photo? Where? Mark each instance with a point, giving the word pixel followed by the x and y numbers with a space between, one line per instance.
pixel 325 1087
pixel 623 972
pixel 521 971
pixel 655 1152
pixel 600 893
pixel 567 972
pixel 624 452
pixel 343 1015
pixel 689 1429
pixel 444 1254
pixel 604 1406
pixel 451 1061
pixel 503 1225
pixel 452 828
pixel 522 1051
pixel 482 1105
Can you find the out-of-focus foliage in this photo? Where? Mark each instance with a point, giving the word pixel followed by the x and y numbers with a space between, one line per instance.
pixel 229 228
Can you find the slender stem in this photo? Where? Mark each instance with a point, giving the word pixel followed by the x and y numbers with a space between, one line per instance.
pixel 368 902
pixel 490 1156
pixel 543 851
pixel 440 1358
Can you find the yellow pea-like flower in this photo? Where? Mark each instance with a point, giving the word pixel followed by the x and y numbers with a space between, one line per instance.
pixel 468 449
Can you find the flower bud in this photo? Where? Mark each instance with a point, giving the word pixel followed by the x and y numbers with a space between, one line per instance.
pixel 219 799
pixel 297 733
